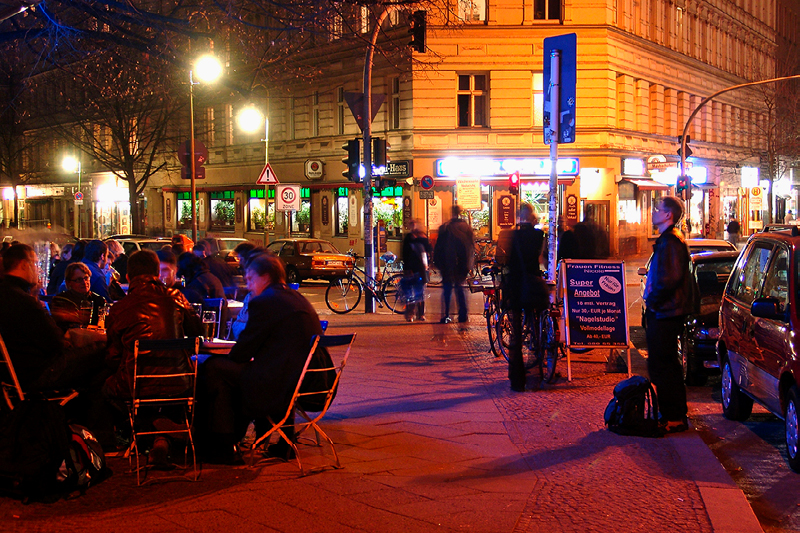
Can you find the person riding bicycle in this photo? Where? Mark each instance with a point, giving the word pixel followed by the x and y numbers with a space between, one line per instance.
pixel 524 288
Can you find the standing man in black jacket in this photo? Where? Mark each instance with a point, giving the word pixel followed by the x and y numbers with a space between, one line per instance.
pixel 669 296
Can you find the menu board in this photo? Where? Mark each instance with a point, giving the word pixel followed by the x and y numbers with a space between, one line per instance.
pixel 595 303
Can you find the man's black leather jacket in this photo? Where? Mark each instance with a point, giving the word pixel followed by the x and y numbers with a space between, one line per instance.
pixel 670 289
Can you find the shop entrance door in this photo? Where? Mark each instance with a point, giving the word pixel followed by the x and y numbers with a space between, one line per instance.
pixel 597 213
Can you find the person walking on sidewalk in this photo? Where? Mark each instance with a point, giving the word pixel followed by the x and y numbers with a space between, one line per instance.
pixel 669 296
pixel 454 255
pixel 733 230
pixel 416 250
pixel 524 288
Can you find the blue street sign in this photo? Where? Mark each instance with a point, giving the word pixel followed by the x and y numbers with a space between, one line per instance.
pixel 567 44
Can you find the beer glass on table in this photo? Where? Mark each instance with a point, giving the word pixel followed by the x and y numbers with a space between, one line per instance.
pixel 209 323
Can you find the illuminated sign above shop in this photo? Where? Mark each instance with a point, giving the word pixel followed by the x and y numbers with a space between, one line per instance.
pixel 454 167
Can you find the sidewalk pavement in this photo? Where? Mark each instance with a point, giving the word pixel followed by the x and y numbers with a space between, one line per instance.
pixel 432 439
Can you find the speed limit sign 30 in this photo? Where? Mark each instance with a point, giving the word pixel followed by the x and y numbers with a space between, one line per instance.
pixel 288 197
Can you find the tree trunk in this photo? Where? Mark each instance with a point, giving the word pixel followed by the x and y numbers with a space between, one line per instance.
pixel 133 197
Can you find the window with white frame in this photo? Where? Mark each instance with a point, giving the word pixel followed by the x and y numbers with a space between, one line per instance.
pixel 472 98
pixel 394 110
pixel 547 9
pixel 472 10
pixel 315 114
pixel 337 27
pixel 538 99
pixel 340 110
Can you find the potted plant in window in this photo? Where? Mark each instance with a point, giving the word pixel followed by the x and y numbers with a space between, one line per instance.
pixel 257 218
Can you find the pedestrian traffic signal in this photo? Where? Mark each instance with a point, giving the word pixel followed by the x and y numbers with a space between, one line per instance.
pixel 353 160
pixel 513 183
pixel 417 30
pixel 680 144
pixel 682 184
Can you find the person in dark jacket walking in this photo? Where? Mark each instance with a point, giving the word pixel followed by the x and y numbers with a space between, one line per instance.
pixel 669 296
pixel 416 252
pixel 454 255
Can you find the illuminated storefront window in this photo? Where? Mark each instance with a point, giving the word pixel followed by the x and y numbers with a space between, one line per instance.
pixel 479 218
pixel 255 211
pixel 388 208
pixel 341 212
pixel 184 210
pixel 301 220
pixel 223 212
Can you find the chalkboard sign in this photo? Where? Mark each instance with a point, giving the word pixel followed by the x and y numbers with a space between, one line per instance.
pixel 595 303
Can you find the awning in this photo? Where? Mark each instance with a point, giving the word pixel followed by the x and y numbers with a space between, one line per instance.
pixel 648 185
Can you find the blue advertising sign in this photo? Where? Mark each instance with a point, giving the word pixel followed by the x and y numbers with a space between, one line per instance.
pixel 594 299
pixel 568 77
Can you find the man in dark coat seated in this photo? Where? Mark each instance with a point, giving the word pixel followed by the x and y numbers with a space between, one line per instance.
pixel 36 345
pixel 257 379
pixel 149 311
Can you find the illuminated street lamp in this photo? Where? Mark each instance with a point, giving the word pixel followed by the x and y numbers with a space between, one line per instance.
pixel 250 120
pixel 207 69
pixel 73 164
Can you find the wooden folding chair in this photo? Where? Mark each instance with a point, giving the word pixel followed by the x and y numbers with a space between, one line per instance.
pixel 160 363
pixel 12 390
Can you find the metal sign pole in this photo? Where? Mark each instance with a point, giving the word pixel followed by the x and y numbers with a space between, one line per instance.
pixel 555 82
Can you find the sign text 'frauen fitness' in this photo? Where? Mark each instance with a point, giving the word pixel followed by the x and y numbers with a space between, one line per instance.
pixel 594 298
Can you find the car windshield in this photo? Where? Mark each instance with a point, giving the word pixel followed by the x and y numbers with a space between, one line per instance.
pixel 229 244
pixel 724 266
pixel 153 245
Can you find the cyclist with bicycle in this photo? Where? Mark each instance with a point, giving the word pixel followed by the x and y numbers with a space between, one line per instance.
pixel 524 288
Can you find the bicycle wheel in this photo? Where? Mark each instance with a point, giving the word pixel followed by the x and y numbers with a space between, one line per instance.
pixel 492 317
pixel 393 294
pixel 343 295
pixel 548 346
pixel 505 334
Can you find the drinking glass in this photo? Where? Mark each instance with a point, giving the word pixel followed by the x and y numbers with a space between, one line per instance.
pixel 209 323
pixel 85 313
pixel 198 309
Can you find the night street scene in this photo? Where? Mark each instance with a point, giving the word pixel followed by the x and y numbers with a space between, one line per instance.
pixel 438 265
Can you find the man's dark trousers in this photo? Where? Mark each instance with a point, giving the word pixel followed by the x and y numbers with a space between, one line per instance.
pixel 457 285
pixel 664 366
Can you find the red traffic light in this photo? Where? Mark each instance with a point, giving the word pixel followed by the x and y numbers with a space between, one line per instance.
pixel 513 182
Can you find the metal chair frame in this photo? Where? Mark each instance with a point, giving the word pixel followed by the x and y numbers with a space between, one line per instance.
pixel 309 421
pixel 14 386
pixel 188 402
pixel 217 305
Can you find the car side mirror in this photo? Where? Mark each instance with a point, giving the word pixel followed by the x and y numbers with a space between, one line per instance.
pixel 642 271
pixel 767 308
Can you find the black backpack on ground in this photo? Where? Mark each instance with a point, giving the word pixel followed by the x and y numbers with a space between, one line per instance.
pixel 42 458
pixel 634 408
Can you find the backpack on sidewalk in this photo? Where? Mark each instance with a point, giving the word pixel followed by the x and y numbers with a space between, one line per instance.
pixel 42 458
pixel 634 408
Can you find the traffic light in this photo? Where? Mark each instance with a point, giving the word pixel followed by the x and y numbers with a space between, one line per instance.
pixel 381 183
pixel 378 152
pixel 353 160
pixel 417 31
pixel 680 143
pixel 513 183
pixel 682 184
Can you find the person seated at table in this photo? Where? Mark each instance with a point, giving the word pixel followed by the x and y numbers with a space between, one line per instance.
pixel 42 359
pixel 96 258
pixel 113 276
pixel 57 274
pixel 215 263
pixel 77 306
pixel 200 282
pixel 257 379
pixel 238 323
pixel 149 311
pixel 168 269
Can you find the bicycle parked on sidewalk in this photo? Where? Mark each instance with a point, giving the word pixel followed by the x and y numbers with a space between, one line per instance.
pixel 542 345
pixel 344 293
pixel 491 303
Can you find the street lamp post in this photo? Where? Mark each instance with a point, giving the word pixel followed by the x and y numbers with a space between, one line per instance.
pixel 250 120
pixel 73 164
pixel 208 69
